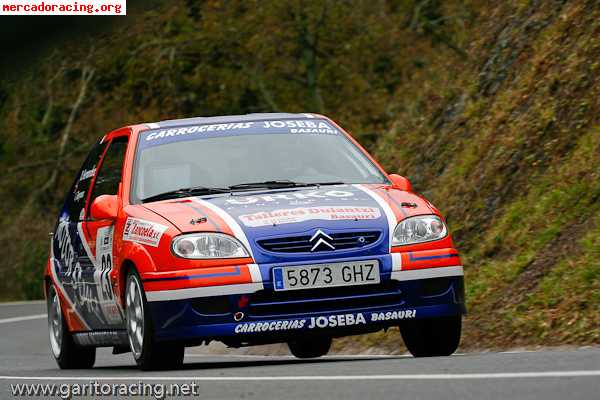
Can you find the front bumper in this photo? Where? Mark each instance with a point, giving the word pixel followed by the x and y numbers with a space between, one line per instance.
pixel 186 307
pixel 338 315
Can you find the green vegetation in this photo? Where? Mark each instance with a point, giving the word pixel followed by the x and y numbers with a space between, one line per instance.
pixel 491 110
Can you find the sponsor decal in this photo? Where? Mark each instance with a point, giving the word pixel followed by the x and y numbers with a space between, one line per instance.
pixel 72 275
pixel 104 256
pixel 115 337
pixel 299 126
pixel 393 315
pixel 270 326
pixel 301 214
pixel 78 195
pixel 87 174
pixel 302 126
pixel 83 277
pixel 143 232
pixel 309 195
pixel 165 133
pixel 65 248
pixel 301 202
pixel 321 322
pixel 333 321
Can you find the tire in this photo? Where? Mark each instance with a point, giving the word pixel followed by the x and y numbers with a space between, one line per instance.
pixel 432 337
pixel 66 352
pixel 148 354
pixel 311 347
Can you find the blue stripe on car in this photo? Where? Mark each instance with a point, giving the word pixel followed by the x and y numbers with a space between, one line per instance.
pixel 412 258
pixel 237 272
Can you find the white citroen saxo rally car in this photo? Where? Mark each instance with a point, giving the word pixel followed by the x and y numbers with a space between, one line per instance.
pixel 249 229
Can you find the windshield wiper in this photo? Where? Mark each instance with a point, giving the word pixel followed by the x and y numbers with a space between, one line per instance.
pixel 267 184
pixel 200 190
pixel 185 192
pixel 328 183
pixel 284 183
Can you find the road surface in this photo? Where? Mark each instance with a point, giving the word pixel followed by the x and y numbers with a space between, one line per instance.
pixel 548 375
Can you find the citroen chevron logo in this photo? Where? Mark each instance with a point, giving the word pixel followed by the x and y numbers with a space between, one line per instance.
pixel 319 239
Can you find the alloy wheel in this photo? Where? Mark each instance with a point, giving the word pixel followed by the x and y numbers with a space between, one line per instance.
pixel 55 323
pixel 135 316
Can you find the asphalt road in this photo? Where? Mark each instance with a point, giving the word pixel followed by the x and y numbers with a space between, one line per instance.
pixel 557 374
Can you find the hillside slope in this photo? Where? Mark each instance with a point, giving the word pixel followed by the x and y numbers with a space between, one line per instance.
pixel 509 149
pixel 491 110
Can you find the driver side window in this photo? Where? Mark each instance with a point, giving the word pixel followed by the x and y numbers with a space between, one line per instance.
pixel 111 170
pixel 75 201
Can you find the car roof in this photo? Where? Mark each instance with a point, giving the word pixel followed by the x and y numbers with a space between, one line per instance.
pixel 230 118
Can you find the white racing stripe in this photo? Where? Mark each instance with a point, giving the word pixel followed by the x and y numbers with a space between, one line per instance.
pixel 24 318
pixel 395 377
pixel 396 261
pixel 204 291
pixel 255 272
pixel 425 273
pixel 235 227
pixel 389 213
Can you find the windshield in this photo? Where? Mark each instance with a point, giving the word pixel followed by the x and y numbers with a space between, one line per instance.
pixel 212 156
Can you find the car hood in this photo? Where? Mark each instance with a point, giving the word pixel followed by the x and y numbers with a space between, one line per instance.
pixel 256 216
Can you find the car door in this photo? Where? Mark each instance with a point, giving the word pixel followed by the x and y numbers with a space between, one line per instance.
pixel 99 234
pixel 72 273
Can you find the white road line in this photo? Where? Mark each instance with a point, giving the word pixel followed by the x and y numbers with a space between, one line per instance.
pixel 517 351
pixel 286 357
pixel 498 375
pixel 25 318
pixel 22 303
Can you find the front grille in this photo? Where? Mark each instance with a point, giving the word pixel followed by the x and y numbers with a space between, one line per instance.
pixel 267 303
pixel 302 244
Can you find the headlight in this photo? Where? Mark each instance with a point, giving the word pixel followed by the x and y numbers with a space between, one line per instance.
pixel 418 230
pixel 208 245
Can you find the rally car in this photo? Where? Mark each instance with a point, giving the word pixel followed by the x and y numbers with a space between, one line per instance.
pixel 251 229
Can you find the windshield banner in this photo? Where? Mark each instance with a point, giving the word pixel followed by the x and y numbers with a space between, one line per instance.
pixel 204 131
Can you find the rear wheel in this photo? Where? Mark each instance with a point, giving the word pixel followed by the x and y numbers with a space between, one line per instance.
pixel 431 337
pixel 148 354
pixel 311 347
pixel 66 352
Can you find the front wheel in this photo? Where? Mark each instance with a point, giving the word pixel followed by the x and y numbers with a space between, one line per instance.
pixel 66 352
pixel 432 337
pixel 148 354
pixel 311 347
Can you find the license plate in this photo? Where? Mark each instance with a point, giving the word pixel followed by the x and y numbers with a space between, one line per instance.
pixel 326 275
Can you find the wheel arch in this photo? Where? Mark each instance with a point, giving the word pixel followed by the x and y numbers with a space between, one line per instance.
pixel 46 284
pixel 135 257
pixel 126 266
pixel 47 280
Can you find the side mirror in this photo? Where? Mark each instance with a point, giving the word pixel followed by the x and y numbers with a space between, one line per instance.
pixel 400 182
pixel 105 207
